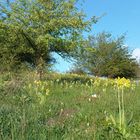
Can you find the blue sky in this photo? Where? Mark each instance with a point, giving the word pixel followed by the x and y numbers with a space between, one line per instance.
pixel 121 16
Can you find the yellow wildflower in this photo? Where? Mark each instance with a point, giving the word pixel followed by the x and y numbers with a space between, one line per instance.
pixel 122 82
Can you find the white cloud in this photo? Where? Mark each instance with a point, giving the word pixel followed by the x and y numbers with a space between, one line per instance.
pixel 136 54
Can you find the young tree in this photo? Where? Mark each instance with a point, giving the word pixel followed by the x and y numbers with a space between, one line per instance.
pixel 105 56
pixel 33 29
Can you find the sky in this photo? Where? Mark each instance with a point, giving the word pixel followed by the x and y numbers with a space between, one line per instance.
pixel 120 16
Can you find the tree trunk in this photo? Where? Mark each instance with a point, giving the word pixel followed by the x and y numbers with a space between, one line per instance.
pixel 40 67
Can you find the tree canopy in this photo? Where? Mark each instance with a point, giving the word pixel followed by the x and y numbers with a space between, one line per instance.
pixel 104 55
pixel 30 30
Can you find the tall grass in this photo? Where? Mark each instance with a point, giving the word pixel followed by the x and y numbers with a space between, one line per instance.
pixel 68 111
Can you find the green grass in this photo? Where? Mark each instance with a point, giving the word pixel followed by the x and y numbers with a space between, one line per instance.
pixel 69 112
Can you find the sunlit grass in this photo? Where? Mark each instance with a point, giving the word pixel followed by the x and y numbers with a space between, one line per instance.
pixel 69 110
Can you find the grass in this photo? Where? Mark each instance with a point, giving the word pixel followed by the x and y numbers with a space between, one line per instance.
pixel 68 112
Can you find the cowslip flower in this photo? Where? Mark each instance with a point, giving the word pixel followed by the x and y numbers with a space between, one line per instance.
pixel 123 82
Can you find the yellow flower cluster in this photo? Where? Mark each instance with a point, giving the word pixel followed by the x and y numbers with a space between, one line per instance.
pixel 122 82
pixel 97 82
pixel 37 82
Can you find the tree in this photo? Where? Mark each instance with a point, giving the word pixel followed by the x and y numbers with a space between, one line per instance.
pixel 76 70
pixel 105 56
pixel 33 29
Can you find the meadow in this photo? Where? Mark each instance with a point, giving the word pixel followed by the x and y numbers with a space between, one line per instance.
pixel 68 107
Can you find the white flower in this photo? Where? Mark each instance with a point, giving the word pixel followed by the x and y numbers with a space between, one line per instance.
pixel 94 96
pixel 62 103
pixel 89 99
pixel 87 124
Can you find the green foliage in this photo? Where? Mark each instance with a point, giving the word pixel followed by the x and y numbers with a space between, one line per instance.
pixel 105 56
pixel 69 78
pixel 76 70
pixel 30 30
pixel 67 112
